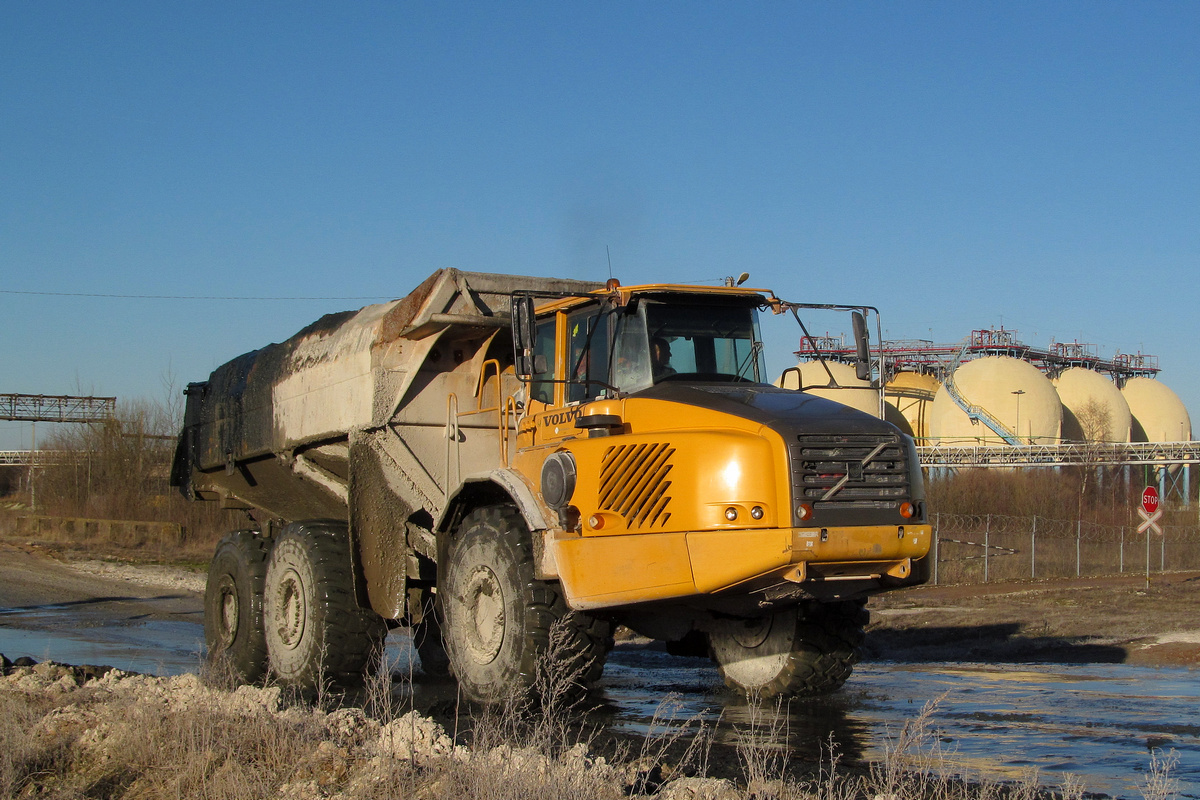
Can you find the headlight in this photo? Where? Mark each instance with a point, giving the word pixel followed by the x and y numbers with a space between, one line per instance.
pixel 558 479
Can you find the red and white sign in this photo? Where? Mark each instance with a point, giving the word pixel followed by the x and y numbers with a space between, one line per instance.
pixel 1150 500
pixel 1150 512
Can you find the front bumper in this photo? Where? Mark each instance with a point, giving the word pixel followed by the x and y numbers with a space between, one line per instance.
pixel 610 571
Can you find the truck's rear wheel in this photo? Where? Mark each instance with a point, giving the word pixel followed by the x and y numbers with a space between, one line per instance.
pixel 498 618
pixel 803 651
pixel 233 605
pixel 317 635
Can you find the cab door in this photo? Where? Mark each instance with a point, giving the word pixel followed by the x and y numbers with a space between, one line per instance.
pixel 572 348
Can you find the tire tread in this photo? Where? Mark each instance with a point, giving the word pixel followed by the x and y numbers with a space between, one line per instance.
pixel 250 552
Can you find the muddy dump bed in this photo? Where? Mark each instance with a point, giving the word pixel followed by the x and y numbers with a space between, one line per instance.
pixel 271 428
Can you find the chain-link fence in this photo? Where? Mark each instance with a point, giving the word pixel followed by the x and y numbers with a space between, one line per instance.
pixel 992 547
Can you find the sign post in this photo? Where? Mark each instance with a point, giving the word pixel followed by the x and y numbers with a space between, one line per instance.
pixel 1151 513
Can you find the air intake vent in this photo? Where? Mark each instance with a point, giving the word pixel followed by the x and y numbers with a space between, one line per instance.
pixel 849 474
pixel 633 483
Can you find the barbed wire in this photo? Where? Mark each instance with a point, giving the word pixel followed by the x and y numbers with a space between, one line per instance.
pixel 977 525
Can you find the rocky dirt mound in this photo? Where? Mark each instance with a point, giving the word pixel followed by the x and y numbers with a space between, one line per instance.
pixel 97 731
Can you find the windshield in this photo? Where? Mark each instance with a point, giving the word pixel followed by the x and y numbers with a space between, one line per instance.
pixel 658 341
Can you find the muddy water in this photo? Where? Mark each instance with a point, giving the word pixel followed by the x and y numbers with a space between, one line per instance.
pixel 1099 722
pixel 156 635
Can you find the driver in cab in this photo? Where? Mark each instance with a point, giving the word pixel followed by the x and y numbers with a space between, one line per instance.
pixel 660 359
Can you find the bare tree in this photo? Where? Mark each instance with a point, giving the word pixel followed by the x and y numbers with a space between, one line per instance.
pixel 1095 422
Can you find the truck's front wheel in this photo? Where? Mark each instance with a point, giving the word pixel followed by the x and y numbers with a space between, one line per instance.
pixel 317 635
pixel 498 617
pixel 809 650
pixel 233 605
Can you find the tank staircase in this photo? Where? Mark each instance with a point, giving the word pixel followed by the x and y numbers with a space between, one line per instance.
pixel 978 414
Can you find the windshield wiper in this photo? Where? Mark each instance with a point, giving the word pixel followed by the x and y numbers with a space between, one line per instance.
pixel 751 358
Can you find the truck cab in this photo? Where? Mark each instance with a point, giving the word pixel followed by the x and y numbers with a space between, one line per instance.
pixel 693 498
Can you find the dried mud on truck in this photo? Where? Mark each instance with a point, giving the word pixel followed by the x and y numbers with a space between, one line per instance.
pixel 495 455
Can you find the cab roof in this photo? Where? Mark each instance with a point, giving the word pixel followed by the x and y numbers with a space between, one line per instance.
pixel 678 291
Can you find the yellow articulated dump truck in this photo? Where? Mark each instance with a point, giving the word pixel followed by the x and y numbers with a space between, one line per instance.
pixel 496 456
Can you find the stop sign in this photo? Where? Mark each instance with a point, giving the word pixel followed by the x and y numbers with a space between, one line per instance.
pixel 1150 500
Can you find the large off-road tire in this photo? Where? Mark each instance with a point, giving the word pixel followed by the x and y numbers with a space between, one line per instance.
pixel 498 619
pixel 803 651
pixel 233 605
pixel 317 635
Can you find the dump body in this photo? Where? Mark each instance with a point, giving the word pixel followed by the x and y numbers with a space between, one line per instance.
pixel 347 419
pixel 271 429
pixel 660 480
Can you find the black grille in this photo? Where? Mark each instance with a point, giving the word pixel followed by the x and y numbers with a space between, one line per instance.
pixel 849 480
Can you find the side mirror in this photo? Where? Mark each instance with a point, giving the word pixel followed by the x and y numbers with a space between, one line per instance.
pixel 862 343
pixel 523 328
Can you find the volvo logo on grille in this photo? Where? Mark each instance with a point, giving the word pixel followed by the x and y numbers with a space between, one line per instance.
pixel 854 470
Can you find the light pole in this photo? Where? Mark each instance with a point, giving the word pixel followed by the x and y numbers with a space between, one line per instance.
pixel 1017 429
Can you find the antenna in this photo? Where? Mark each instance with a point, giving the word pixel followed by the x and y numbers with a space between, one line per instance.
pixel 606 250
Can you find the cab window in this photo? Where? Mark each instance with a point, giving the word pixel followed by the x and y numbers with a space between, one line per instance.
pixel 541 387
pixel 587 353
pixel 704 342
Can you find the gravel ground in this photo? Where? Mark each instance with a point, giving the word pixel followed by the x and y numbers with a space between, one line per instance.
pixel 1114 619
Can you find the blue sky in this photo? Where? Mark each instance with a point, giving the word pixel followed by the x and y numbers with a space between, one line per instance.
pixel 959 165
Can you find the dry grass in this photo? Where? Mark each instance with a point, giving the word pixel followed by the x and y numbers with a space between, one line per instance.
pixel 1100 495
pixel 205 753
pixel 22 756
pixel 998 525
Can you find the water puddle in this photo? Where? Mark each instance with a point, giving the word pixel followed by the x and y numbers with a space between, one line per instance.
pixel 153 647
pixel 1098 721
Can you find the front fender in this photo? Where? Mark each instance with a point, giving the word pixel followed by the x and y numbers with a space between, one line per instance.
pixel 493 486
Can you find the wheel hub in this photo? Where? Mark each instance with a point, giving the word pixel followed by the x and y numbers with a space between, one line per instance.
pixel 485 616
pixel 755 653
pixel 752 632
pixel 228 614
pixel 291 602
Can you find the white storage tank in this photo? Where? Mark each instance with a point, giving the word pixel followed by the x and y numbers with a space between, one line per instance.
pixel 1094 409
pixel 912 395
pixel 855 393
pixel 893 415
pixel 1158 413
pixel 1013 392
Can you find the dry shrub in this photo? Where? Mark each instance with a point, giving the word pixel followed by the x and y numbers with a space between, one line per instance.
pixel 764 749
pixel 1103 495
pixel 1017 493
pixel 119 470
pixel 913 760
pixel 649 770
pixel 204 753
pixel 24 757
pixel 1160 782
pixel 524 774
pixel 548 716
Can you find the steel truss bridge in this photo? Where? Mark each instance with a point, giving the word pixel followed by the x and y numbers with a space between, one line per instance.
pixel 1093 454
pixel 25 458
pixel 1171 461
pixel 56 408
